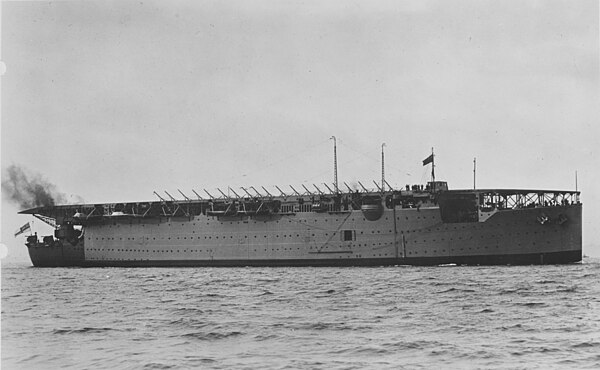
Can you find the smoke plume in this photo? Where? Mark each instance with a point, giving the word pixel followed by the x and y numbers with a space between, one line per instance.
pixel 29 190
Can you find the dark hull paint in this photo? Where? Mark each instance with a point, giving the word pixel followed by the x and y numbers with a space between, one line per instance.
pixel 57 255
pixel 512 259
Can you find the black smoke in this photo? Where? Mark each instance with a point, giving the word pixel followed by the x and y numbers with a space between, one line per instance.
pixel 29 190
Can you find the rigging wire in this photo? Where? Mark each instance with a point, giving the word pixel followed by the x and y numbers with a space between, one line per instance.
pixel 358 158
pixel 375 159
pixel 280 160
pixel 368 156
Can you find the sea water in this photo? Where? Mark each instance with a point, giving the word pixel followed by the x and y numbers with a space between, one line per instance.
pixel 302 318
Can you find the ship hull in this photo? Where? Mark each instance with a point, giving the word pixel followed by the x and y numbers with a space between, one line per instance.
pixel 512 259
pixel 398 237
pixel 58 254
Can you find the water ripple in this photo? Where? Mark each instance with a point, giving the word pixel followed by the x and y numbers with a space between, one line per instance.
pixel 288 318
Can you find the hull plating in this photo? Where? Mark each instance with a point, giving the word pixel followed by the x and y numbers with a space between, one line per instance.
pixel 398 237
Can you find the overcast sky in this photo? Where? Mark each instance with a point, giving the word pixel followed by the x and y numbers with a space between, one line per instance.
pixel 113 100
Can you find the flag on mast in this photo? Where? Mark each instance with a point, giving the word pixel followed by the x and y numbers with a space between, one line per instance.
pixel 428 160
pixel 22 229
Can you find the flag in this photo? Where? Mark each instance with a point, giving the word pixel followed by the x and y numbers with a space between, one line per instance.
pixel 23 229
pixel 428 160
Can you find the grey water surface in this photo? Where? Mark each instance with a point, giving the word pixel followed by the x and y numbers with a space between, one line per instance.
pixel 307 318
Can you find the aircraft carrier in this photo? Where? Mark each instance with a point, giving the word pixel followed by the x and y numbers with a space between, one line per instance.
pixel 318 226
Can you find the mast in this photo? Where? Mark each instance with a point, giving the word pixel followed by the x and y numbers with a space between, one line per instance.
pixel 382 169
pixel 474 171
pixel 432 166
pixel 426 161
pixel 335 177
